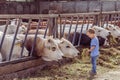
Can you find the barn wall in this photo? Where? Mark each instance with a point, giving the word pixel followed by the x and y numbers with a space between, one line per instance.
pixel 81 6
pixel 61 7
pixel 17 8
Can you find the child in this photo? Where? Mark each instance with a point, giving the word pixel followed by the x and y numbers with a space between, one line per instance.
pixel 94 49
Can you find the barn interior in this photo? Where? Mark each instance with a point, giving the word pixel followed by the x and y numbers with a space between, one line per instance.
pixel 69 19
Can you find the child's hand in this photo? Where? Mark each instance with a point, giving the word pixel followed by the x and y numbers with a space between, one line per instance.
pixel 88 51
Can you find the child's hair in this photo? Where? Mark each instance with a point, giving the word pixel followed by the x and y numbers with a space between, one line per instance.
pixel 91 30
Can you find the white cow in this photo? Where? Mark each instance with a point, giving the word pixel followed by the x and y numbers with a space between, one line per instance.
pixel 99 30
pixel 11 29
pixel 6 47
pixel 67 48
pixel 115 30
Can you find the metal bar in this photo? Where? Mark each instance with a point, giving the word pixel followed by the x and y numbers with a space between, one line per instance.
pixel 115 19
pixel 81 32
pixel 88 22
pixel 14 39
pixel 104 20
pixel 60 26
pixel 111 19
pixel 107 22
pixel 55 28
pixel 64 26
pixel 28 27
pixel 70 27
pixel 46 29
pixel 73 41
pixel 33 45
pixel 118 19
pixel 5 30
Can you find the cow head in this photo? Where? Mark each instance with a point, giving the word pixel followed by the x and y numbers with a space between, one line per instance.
pixel 67 48
pixel 114 30
pixel 101 32
pixel 50 50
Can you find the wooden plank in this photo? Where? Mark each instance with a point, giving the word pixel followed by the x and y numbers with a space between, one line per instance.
pixel 10 68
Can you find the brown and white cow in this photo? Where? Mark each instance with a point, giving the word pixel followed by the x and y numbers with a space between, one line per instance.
pixel 46 48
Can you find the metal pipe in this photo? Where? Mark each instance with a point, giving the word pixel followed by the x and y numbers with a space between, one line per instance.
pixel 46 28
pixel 14 39
pixel 24 42
pixel 5 30
pixel 64 26
pixel 73 41
pixel 33 45
pixel 81 32
pixel 70 27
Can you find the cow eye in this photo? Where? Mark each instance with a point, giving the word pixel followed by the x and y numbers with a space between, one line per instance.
pixel 67 46
pixel 99 31
pixel 114 29
pixel 49 40
pixel 53 48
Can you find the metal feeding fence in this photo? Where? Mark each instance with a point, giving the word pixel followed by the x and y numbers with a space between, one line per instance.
pixel 57 25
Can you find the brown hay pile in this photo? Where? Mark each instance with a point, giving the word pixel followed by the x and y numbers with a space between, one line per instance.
pixel 109 57
pixel 112 41
pixel 105 64
pixel 110 51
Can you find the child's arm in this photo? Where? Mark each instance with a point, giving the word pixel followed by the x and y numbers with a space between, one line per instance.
pixel 92 48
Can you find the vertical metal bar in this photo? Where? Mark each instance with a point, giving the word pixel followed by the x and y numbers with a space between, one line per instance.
pixel 5 30
pixel 88 22
pixel 33 45
pixel 64 26
pixel 73 41
pixel 104 20
pixel 60 27
pixel 118 19
pixel 14 39
pixel 28 27
pixel 111 19
pixel 94 18
pixel 115 19
pixel 56 25
pixel 81 32
pixel 55 28
pixel 107 22
pixel 46 28
pixel 70 27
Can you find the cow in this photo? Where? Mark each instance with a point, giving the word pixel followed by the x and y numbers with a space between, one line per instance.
pixel 115 31
pixel 47 48
pixel 67 48
pixel 64 45
pixel 84 39
pixel 6 48
pixel 11 29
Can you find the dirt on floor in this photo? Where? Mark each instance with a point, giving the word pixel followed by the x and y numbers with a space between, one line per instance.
pixel 75 69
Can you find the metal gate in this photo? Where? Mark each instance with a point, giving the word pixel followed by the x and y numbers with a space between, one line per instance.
pixel 57 25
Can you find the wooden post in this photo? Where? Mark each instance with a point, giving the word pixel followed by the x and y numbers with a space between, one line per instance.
pixel 51 23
